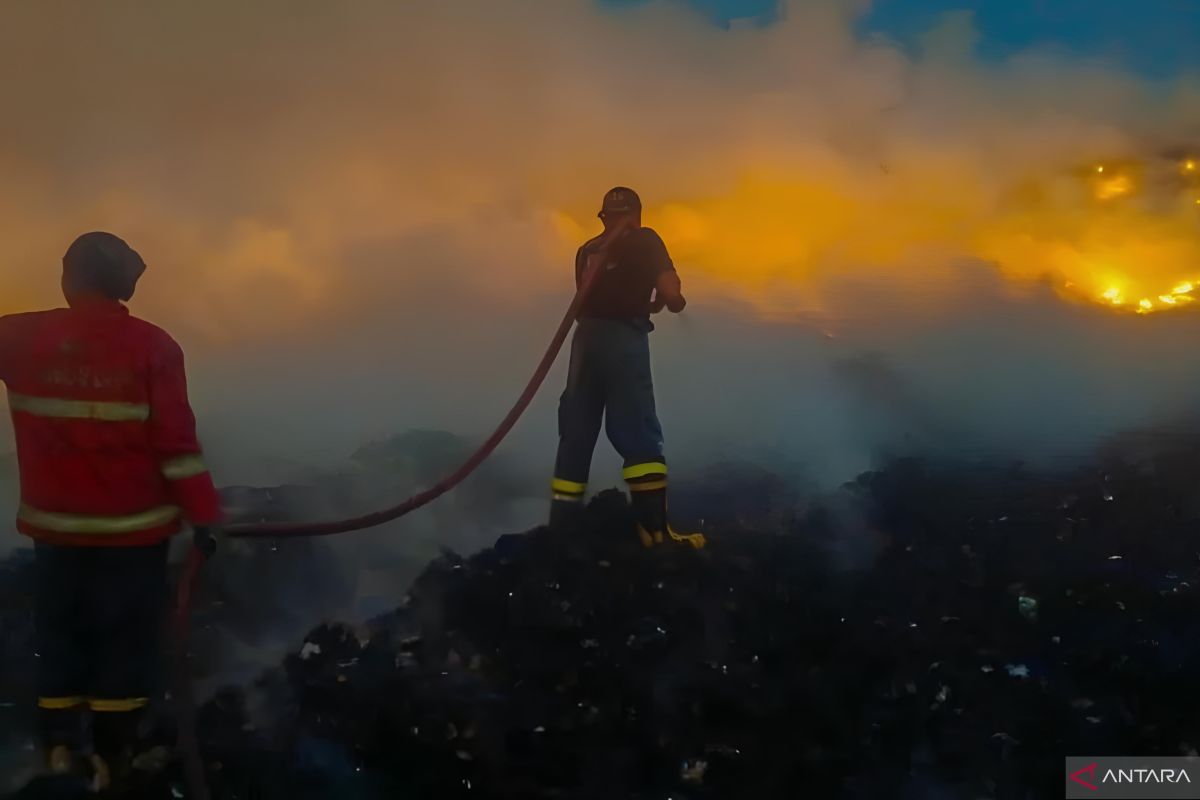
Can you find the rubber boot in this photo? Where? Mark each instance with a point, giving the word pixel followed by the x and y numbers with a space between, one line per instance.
pixel 60 760
pixel 117 741
pixel 649 500
pixel 565 514
pixel 63 736
pixel 101 781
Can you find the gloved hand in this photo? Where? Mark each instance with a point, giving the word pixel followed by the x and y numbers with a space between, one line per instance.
pixel 205 539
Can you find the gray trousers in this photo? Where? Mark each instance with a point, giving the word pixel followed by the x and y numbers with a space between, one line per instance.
pixel 608 379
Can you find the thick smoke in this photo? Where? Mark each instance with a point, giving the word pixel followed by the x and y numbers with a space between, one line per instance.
pixel 360 219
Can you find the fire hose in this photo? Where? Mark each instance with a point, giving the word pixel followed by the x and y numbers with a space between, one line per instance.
pixel 188 741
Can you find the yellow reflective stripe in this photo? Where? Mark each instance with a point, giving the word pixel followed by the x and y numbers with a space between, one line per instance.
pixel 57 408
pixel 568 498
pixel 59 703
pixel 647 486
pixel 642 470
pixel 177 469
pixel 568 487
pixel 76 523
pixel 129 704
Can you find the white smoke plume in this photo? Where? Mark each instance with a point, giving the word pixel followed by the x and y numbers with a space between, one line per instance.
pixel 360 219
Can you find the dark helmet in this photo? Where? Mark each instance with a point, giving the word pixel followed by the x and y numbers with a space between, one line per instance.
pixel 620 200
pixel 104 264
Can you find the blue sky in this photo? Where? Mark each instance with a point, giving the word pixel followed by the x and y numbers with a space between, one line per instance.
pixel 1159 38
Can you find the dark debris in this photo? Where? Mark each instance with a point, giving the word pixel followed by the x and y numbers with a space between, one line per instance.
pixel 989 633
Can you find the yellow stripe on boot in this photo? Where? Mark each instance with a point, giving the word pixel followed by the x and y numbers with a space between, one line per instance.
pixel 635 471
pixel 59 703
pixel 561 486
pixel 117 706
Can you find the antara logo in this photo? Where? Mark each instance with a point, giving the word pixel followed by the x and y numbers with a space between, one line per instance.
pixel 1090 771
pixel 1086 777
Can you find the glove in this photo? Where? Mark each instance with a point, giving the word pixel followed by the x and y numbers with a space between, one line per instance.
pixel 204 538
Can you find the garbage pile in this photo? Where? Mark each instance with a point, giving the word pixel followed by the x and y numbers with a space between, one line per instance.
pixel 1002 620
pixel 928 631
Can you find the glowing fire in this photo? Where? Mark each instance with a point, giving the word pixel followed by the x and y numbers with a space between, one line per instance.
pixel 1180 295
pixel 1124 233
pixel 1113 187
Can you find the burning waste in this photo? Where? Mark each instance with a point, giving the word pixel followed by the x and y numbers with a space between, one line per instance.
pixel 1006 617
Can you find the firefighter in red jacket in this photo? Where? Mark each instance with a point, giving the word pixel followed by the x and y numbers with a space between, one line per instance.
pixel 110 469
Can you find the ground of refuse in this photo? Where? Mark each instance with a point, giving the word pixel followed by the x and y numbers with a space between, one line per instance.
pixel 928 631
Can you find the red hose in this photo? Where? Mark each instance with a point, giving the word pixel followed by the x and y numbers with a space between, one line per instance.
pixel 185 703
pixel 188 742
pixel 284 529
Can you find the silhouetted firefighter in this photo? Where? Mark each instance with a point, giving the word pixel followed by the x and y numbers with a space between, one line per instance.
pixel 609 373
pixel 110 470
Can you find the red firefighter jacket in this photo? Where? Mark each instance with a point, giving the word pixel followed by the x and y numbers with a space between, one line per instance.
pixel 106 440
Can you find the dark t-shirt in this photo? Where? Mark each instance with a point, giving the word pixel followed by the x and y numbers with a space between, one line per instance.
pixel 626 283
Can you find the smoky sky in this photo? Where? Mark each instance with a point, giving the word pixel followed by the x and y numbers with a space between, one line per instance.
pixel 360 218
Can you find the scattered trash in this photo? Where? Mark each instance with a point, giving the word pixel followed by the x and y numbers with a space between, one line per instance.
pixel 1028 607
pixel 693 771
pixel 736 655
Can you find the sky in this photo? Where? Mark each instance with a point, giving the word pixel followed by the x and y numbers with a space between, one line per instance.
pixel 1156 37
